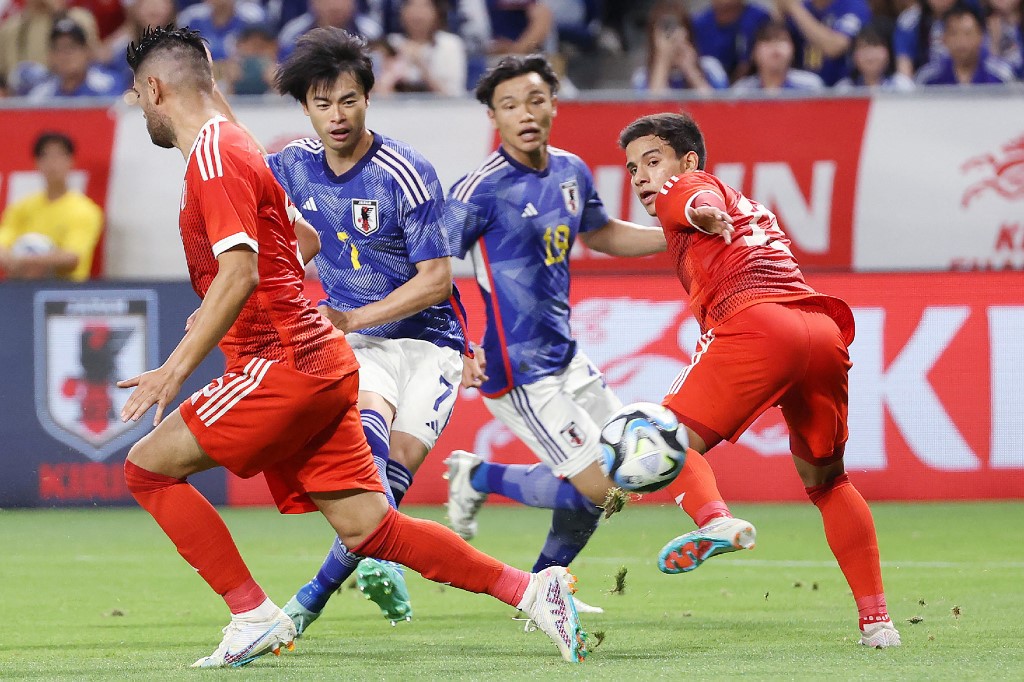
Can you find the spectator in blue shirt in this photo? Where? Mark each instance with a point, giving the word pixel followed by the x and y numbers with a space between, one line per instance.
pixel 138 15
pixel 968 62
pixel 1005 24
pixel 823 32
pixel 519 26
pixel 873 63
pixel 726 31
pixel 72 73
pixel 773 64
pixel 917 39
pixel 325 13
pixel 672 61
pixel 220 22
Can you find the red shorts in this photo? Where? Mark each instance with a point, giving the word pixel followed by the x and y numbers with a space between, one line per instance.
pixel 302 431
pixel 788 354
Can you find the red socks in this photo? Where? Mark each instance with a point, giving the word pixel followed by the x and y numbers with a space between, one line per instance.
pixel 850 531
pixel 440 555
pixel 197 530
pixel 696 491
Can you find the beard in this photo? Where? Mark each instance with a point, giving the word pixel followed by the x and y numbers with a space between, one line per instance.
pixel 160 130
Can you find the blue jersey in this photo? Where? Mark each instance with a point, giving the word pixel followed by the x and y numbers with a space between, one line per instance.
pixel 843 16
pixel 730 44
pixel 519 224
pixel 375 221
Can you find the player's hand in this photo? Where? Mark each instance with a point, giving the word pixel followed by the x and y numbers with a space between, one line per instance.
pixel 713 220
pixel 155 387
pixel 191 319
pixel 339 318
pixel 473 369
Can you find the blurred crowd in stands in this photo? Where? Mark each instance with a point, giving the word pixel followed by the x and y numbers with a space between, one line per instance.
pixel 74 48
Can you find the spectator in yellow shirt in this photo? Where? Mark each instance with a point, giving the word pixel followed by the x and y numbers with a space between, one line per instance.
pixel 52 234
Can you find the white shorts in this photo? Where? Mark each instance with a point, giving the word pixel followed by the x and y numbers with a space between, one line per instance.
pixel 560 416
pixel 420 379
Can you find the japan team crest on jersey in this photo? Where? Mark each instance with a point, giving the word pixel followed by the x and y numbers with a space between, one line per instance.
pixel 85 341
pixel 571 196
pixel 365 216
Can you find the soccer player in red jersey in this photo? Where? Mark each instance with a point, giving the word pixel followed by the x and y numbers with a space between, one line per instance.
pixel 768 339
pixel 287 404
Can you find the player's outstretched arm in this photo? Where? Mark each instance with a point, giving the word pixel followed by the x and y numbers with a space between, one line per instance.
pixel 309 240
pixel 235 281
pixel 620 238
pixel 432 284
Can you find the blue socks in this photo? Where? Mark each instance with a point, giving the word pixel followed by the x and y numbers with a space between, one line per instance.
pixel 569 534
pixel 399 478
pixel 532 484
pixel 574 519
pixel 341 563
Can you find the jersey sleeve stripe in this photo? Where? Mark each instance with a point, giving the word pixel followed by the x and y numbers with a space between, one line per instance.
pixel 207 158
pixel 462 184
pixel 197 151
pixel 470 187
pixel 402 162
pixel 309 144
pixel 403 176
pixel 413 199
pixel 234 240
pixel 216 150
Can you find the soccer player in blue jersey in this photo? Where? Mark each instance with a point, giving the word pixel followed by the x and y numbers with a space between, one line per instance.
pixel 384 261
pixel 518 215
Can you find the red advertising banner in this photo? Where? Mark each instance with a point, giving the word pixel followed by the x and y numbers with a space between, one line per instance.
pixel 936 408
pixel 798 158
pixel 91 130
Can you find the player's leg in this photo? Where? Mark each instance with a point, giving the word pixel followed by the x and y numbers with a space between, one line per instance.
pixel 738 371
pixel 816 413
pixel 363 520
pixel 239 421
pixel 376 415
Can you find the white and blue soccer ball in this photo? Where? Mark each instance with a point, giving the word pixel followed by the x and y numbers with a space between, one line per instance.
pixel 644 447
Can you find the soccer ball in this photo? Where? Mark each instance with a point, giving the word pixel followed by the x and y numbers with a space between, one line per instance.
pixel 644 447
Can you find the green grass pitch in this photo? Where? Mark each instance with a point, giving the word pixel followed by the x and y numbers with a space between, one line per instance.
pixel 101 594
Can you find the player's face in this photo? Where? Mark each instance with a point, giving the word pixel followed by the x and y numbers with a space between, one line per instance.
pixel 523 111
pixel 651 161
pixel 54 163
pixel 338 115
pixel 158 124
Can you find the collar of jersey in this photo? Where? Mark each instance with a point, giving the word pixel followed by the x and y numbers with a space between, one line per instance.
pixel 354 170
pixel 526 169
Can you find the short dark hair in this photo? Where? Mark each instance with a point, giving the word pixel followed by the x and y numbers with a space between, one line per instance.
pixel 770 30
pixel 184 44
pixel 46 139
pixel 680 131
pixel 70 28
pixel 511 67
pixel 961 9
pixel 319 58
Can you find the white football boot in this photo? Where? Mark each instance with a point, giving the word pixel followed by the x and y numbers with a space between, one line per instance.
pixel 879 635
pixel 549 605
pixel 719 536
pixel 247 639
pixel 463 501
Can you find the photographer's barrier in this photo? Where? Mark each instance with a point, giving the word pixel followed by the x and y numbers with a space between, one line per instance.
pixel 931 181
pixel 936 405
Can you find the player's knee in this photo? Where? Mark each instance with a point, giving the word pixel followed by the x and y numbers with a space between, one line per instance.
pixel 356 528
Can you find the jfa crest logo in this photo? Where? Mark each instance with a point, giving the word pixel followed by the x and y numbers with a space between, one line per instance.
pixel 571 196
pixel 364 215
pixel 574 435
pixel 85 341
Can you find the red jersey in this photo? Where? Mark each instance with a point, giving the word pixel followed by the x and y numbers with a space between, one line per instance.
pixel 230 197
pixel 723 279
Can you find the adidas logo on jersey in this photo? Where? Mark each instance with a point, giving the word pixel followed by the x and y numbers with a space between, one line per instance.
pixel 529 211
pixel 310 205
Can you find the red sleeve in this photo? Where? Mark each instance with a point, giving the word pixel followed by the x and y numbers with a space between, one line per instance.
pixel 229 205
pixel 680 194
